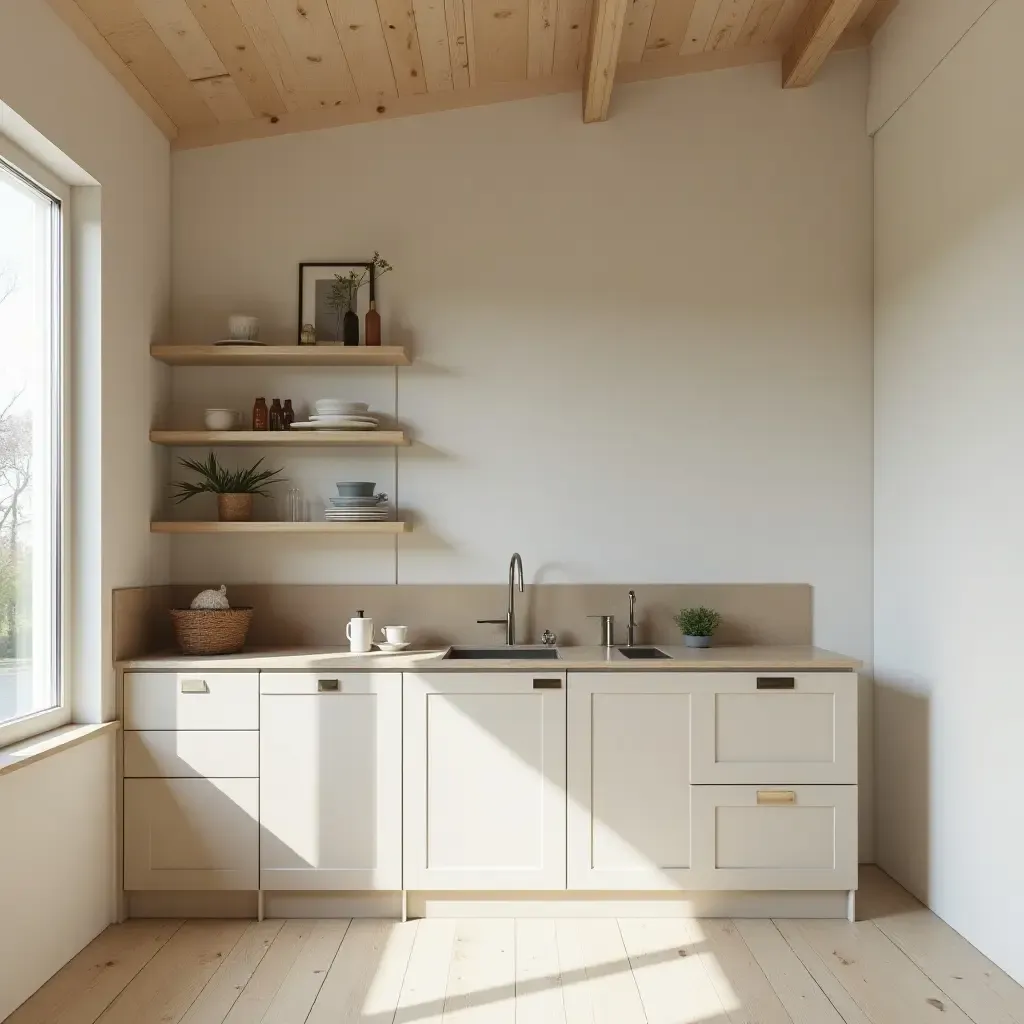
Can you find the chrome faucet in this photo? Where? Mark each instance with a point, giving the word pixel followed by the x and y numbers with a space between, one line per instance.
pixel 509 622
pixel 631 625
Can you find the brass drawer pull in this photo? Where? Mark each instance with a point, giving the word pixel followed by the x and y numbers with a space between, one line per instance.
pixel 776 797
pixel 195 686
pixel 328 685
pixel 547 684
pixel 776 683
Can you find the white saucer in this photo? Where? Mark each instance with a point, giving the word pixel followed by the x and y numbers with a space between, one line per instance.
pixel 392 648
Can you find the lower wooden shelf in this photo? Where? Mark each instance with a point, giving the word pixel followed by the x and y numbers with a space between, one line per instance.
pixel 277 527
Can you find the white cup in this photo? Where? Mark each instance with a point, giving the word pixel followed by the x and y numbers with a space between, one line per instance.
pixel 221 419
pixel 360 635
pixel 243 328
pixel 395 634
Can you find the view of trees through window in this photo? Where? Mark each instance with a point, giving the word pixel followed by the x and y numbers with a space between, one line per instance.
pixel 29 389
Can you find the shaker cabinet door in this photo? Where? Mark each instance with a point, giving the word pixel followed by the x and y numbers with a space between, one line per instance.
pixel 629 793
pixel 331 782
pixel 191 834
pixel 484 795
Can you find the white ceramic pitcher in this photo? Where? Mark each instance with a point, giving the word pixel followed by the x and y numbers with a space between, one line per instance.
pixel 360 634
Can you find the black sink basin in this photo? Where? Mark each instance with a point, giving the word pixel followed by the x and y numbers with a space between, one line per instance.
pixel 642 653
pixel 502 654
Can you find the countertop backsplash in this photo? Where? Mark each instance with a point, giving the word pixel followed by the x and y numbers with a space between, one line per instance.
pixel 289 615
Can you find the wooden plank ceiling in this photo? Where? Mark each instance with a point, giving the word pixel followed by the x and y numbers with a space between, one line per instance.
pixel 210 71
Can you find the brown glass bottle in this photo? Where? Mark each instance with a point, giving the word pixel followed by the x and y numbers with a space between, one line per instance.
pixel 287 415
pixel 260 416
pixel 276 415
pixel 372 324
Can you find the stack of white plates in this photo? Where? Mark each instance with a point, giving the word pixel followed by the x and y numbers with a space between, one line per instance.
pixel 334 414
pixel 339 422
pixel 358 510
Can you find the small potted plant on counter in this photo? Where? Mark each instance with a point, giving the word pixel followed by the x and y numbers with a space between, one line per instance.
pixel 698 626
pixel 234 487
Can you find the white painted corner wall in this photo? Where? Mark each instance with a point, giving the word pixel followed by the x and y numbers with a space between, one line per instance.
pixel 56 856
pixel 56 863
pixel 949 497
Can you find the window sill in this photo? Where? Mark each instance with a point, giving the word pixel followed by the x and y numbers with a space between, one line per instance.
pixel 20 755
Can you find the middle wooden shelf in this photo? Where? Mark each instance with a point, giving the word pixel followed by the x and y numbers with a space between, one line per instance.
pixel 281 438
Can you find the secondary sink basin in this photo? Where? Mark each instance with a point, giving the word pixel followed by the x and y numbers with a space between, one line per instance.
pixel 502 654
pixel 642 653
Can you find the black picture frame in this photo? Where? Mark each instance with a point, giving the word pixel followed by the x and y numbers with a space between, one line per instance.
pixel 307 312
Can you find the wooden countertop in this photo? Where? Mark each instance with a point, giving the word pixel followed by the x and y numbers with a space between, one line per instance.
pixel 570 659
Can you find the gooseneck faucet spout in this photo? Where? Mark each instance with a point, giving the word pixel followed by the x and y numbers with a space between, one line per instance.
pixel 509 622
pixel 516 562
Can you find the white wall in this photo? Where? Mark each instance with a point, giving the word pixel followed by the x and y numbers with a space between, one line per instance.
pixel 949 229
pixel 56 863
pixel 643 348
pixel 55 867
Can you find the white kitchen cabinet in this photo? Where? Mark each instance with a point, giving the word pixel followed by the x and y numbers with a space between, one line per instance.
pixel 774 727
pixel 192 754
pixel 628 769
pixel 191 700
pixel 772 837
pixel 330 780
pixel 191 834
pixel 484 767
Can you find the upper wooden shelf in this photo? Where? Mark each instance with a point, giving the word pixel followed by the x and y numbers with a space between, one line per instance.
pixel 253 526
pixel 280 355
pixel 281 438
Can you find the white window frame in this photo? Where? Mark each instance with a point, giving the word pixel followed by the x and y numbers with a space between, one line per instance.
pixel 28 726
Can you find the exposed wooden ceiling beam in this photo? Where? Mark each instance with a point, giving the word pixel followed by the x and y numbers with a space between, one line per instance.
pixel 609 16
pixel 877 16
pixel 816 33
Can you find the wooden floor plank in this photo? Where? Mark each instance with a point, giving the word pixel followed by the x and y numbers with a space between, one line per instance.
pixel 482 976
pixel 746 993
pixel 984 992
pixel 877 976
pixel 365 980
pixel 222 991
pixel 597 982
pixel 269 976
pixel 838 996
pixel 538 974
pixel 301 985
pixel 797 990
pixel 426 979
pixel 88 984
pixel 667 960
pixel 163 991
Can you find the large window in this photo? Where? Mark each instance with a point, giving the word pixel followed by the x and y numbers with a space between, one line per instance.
pixel 31 349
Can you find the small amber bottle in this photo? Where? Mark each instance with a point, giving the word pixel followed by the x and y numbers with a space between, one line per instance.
pixel 276 415
pixel 260 416
pixel 287 415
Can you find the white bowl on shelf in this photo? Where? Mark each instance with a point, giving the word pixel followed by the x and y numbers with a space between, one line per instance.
pixel 336 407
pixel 221 419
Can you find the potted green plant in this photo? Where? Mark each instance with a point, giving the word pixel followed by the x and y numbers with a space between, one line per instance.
pixel 234 487
pixel 698 625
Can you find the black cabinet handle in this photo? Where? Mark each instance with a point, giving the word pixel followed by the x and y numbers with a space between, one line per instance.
pixel 328 685
pixel 776 683
pixel 547 684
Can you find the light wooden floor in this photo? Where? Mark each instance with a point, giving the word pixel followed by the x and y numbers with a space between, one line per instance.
pixel 898 965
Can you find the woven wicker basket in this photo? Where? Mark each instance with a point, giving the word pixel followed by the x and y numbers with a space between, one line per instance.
pixel 211 630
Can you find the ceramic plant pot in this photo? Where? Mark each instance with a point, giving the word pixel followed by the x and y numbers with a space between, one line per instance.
pixel 697 641
pixel 234 508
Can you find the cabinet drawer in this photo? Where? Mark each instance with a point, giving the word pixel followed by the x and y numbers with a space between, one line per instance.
pixel 191 700
pixel 775 728
pixel 191 834
pixel 328 682
pixel 192 754
pixel 756 837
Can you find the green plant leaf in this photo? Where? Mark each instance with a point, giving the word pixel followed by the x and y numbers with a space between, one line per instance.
pixel 216 479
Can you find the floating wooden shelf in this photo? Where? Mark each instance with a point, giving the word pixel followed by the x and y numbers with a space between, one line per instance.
pixel 280 355
pixel 277 527
pixel 282 438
